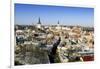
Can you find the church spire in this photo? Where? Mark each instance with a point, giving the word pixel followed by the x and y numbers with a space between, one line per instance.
pixel 39 22
pixel 58 21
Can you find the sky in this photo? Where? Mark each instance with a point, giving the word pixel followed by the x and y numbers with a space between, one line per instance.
pixel 28 14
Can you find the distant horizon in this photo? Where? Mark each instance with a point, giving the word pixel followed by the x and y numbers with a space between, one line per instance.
pixel 54 24
pixel 28 14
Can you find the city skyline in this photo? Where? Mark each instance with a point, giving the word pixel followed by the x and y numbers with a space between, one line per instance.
pixel 27 14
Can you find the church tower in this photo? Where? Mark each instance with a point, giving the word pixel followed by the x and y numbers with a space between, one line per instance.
pixel 39 23
pixel 58 26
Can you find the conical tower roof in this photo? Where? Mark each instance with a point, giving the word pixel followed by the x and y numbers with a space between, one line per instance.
pixel 58 22
pixel 39 21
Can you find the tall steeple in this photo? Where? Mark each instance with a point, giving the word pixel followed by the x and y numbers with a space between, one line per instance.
pixel 39 22
pixel 58 22
pixel 58 25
